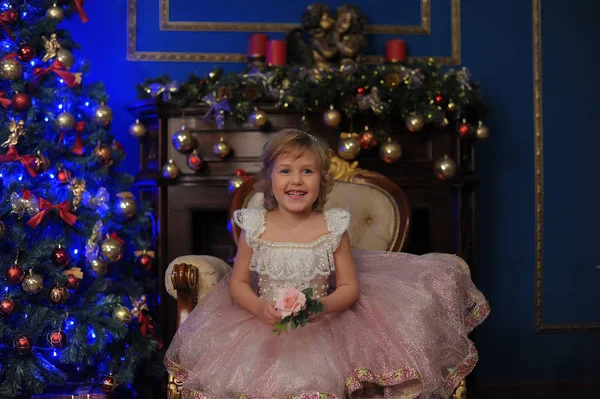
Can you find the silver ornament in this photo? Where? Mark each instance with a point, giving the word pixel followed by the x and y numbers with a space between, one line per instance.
pixel 10 69
pixel 65 121
pixel 137 129
pixel 103 115
pixel 183 140
pixel 65 57
pixel 55 13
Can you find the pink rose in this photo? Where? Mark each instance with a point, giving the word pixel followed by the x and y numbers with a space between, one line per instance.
pixel 290 302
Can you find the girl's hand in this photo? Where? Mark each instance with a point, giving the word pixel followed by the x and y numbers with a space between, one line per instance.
pixel 268 314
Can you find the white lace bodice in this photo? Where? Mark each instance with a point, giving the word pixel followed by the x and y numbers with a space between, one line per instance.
pixel 285 264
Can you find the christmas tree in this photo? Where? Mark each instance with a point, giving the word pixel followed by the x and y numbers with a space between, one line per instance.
pixel 77 288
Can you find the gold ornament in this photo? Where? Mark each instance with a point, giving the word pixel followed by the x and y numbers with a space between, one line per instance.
pixel 444 168
pixel 259 118
pixel 77 187
pixel 99 267
pixel 16 130
pixel 235 182
pixel 58 294
pixel 482 131
pixel 52 46
pixel 170 170
pixel 65 121
pixel 10 69
pixel 367 139
pixel 55 13
pixel 222 149
pixel 41 163
pixel 33 283
pixel 392 80
pixel 332 118
pixel 125 206
pixel 183 140
pixel 414 123
pixel 137 129
pixel 451 106
pixel 348 147
pixel 390 151
pixel 121 313
pixel 103 115
pixel 65 57
pixel 104 154
pixel 111 249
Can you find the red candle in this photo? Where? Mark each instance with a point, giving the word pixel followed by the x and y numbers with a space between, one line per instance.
pixel 395 50
pixel 257 45
pixel 276 54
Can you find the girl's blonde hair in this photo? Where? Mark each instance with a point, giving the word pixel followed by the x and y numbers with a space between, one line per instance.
pixel 294 141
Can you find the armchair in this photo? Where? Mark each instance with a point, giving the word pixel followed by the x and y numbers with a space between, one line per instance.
pixel 380 221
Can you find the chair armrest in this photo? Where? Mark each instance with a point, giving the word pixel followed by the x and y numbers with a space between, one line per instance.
pixel 189 278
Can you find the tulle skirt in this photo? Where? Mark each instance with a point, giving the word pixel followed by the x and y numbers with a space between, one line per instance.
pixel 405 337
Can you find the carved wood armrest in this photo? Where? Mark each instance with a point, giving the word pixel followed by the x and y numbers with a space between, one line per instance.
pixel 185 280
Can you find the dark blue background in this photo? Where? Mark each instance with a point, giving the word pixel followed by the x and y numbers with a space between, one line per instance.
pixel 497 48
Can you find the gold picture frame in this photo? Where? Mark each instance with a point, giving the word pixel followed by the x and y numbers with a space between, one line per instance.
pixel 539 184
pixel 166 24
pixel 134 55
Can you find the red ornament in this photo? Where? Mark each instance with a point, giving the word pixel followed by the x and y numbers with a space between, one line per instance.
pixel 195 162
pixel 26 52
pixel 10 15
pixel 464 129
pixel 144 261
pixel 57 339
pixel 20 102
pixel 7 305
pixel 60 256
pixel 23 344
pixel 15 274
pixel 108 383
pixel 439 100
pixel 73 282
pixel 360 91
pixel 63 176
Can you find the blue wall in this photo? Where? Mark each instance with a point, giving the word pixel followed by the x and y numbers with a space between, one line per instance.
pixel 497 48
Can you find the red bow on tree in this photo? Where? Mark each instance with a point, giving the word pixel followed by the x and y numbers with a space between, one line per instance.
pixel 5 102
pixel 63 209
pixel 12 155
pixel 79 144
pixel 71 79
pixel 8 17
pixel 79 7
pixel 147 327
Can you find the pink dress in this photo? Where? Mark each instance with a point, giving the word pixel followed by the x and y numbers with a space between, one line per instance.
pixel 405 337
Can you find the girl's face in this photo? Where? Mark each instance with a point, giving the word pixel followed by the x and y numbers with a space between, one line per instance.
pixel 296 181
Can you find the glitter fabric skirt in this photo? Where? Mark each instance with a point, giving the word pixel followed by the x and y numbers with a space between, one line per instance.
pixel 405 337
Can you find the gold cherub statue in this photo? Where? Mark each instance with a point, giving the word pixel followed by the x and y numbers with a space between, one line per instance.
pixel 16 129
pixel 52 46
pixel 350 39
pixel 77 187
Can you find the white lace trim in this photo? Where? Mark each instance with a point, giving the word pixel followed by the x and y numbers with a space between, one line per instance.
pixel 287 261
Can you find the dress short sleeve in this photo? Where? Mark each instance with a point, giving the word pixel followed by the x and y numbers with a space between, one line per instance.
pixel 252 221
pixel 338 222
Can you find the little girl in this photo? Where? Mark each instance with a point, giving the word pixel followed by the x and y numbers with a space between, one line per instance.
pixel 395 325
